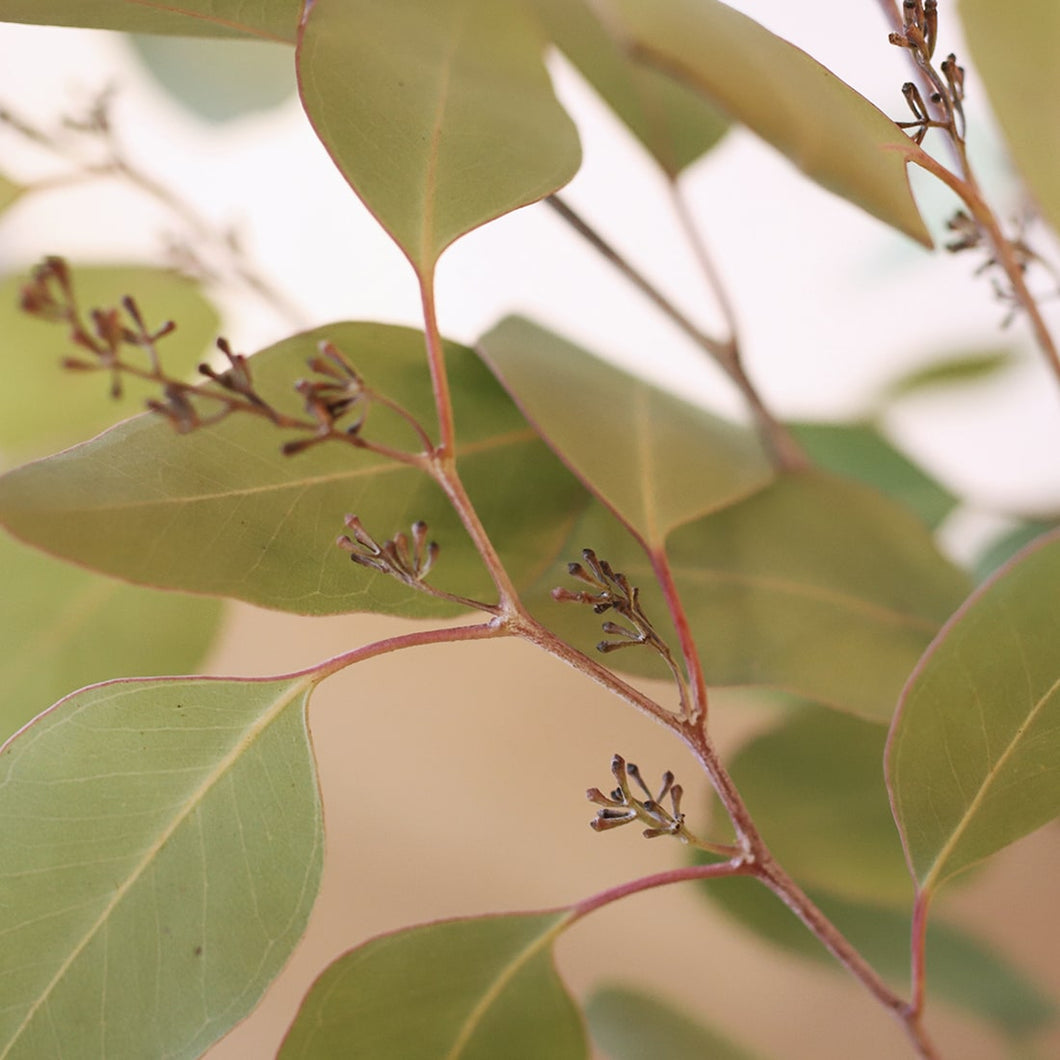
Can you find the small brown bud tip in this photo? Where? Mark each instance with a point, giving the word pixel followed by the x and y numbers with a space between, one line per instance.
pixel 74 365
pixel 166 329
pixel 345 543
pixel 597 796
pixel 618 764
pixel 299 446
pixel 419 528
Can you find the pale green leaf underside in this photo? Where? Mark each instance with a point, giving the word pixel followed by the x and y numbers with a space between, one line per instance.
pixel 974 756
pixel 962 969
pixel 1016 57
pixel 62 628
pixel 268 19
pixel 162 850
pixel 629 1025
pixel 816 586
pixel 43 406
pixel 655 460
pixel 439 113
pixel 222 511
pixel 833 134
pixel 815 787
pixel 675 124
pixel 474 989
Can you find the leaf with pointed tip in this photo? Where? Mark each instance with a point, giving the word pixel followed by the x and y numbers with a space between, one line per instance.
pixel 1016 57
pixel 814 785
pixel 64 628
pixel 972 760
pixel 439 113
pixel 655 460
pixel 43 403
pixel 962 969
pixel 858 451
pixel 222 511
pixel 630 1025
pixel 472 989
pixel 269 19
pixel 162 850
pixel 218 80
pixel 832 133
pixel 675 124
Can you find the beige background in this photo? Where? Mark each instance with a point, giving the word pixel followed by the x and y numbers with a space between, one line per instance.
pixel 504 740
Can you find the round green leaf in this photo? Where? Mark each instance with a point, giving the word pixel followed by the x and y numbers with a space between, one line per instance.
pixel 269 19
pixel 43 404
pixel 218 80
pixel 62 627
pixel 439 113
pixel 629 1025
pixel 675 124
pixel 654 459
pixel 474 989
pixel 833 134
pixel 815 788
pixel 223 511
pixel 1016 56
pixel 162 849
pixel 973 753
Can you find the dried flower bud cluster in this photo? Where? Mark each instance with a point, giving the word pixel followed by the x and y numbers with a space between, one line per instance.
pixel 622 806
pixel 407 559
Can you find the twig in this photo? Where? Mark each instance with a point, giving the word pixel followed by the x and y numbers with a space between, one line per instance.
pixel 783 449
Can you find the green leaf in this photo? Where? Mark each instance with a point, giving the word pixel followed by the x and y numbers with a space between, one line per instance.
pixel 218 80
pixel 972 757
pixel 629 1025
pixel 269 19
pixel 858 451
pixel 75 628
pixel 473 989
pixel 675 124
pixel 961 969
pixel 815 787
pixel 222 511
pixel 655 460
pixel 43 404
pixel 162 849
pixel 1016 58
pixel 439 113
pixel 972 367
pixel 1001 549
pixel 833 134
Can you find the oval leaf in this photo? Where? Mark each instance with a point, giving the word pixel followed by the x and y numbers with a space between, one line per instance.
pixel 62 628
pixel 815 787
pixel 46 406
pixel 269 19
pixel 962 969
pixel 162 849
pixel 972 757
pixel 655 460
pixel 439 113
pixel 629 1025
pixel 472 989
pixel 218 80
pixel 223 511
pixel 833 134
pixel 675 124
pixel 1016 56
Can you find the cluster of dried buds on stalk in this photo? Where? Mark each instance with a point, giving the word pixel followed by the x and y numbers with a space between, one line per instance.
pixel 622 806
pixel 408 560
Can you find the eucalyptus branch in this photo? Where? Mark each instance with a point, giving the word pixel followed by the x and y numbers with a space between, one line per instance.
pixel 915 31
pixel 782 447
pixel 96 126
